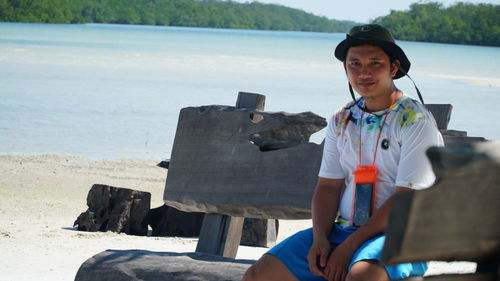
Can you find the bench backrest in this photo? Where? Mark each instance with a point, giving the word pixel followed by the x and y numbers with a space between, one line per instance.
pixel 441 113
pixel 215 167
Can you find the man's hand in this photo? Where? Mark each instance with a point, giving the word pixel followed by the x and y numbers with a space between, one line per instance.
pixel 338 262
pixel 318 256
pixel 324 207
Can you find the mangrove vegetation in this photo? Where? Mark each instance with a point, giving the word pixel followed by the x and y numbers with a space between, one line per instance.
pixel 460 23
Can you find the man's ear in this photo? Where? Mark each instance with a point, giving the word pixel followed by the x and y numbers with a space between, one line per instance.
pixel 394 67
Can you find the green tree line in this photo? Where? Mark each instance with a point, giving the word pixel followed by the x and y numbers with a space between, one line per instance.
pixel 461 23
pixel 192 13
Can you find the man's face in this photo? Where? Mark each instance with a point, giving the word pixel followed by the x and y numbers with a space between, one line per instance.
pixel 370 71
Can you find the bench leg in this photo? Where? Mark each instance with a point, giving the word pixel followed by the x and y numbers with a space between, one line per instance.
pixel 220 235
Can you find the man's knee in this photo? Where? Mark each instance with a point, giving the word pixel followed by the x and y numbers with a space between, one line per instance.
pixel 257 271
pixel 367 271
pixel 268 268
pixel 252 273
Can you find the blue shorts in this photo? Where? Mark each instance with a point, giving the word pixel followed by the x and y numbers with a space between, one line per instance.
pixel 293 253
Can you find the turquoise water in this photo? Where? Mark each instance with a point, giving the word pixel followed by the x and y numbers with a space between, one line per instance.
pixel 112 91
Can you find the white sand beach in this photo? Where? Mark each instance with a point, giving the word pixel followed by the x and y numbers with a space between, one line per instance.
pixel 478 81
pixel 41 196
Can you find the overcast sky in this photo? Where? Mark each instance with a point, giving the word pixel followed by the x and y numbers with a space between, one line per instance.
pixel 356 10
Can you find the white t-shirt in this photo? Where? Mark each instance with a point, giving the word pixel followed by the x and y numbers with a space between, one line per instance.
pixel 401 160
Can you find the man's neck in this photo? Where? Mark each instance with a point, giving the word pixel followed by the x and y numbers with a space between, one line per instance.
pixel 374 104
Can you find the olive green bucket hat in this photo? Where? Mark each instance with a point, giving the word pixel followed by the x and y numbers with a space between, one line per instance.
pixel 374 34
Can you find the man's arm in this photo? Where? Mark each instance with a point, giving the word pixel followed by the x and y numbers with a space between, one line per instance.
pixel 325 204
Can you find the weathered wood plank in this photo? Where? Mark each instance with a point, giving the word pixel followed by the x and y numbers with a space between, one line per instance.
pixel 442 114
pixel 456 219
pixel 140 265
pixel 212 154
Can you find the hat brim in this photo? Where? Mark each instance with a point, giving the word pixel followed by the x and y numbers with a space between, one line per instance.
pixel 393 50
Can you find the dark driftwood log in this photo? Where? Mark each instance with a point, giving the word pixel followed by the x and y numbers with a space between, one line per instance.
pixel 168 221
pixel 259 232
pixel 164 164
pixel 456 219
pixel 115 209
pixel 140 265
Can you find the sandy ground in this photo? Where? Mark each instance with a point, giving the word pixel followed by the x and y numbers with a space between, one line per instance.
pixel 41 196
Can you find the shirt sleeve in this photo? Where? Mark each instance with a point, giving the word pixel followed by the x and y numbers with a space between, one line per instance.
pixel 415 170
pixel 330 164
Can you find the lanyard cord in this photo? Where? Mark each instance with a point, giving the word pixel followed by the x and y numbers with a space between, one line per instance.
pixel 379 133
pixel 416 88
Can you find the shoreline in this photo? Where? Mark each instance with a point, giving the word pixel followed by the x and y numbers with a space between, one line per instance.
pixel 42 195
pixel 229 29
pixel 478 81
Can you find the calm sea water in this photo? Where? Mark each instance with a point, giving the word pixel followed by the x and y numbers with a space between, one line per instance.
pixel 112 91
